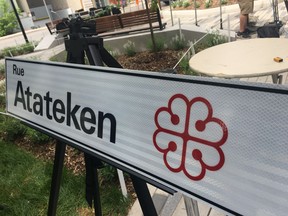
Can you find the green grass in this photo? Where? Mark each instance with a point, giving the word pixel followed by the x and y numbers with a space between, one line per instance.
pixel 25 187
pixel 60 57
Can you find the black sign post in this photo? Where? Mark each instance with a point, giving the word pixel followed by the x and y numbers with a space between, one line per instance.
pixel 19 22
pixel 56 177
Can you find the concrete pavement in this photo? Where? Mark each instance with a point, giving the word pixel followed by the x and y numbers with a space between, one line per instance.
pixel 210 18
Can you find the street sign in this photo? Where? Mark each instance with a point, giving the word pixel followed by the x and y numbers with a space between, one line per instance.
pixel 221 141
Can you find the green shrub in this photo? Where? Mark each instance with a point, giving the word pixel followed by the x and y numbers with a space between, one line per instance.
pixel 129 48
pixel 208 3
pixel 108 174
pixel 8 21
pixel 174 4
pixel 154 5
pixel 186 4
pixel 2 70
pixel 198 4
pixel 114 53
pixel 178 42
pixel 159 45
pixel 17 50
pixel 223 2
pixel 2 103
pixel 2 96
pixel 180 3
pixel 212 39
pixel 11 128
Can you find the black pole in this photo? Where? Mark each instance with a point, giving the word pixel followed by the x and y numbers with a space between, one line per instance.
pixel 221 21
pixel 144 197
pixel 19 21
pixel 56 177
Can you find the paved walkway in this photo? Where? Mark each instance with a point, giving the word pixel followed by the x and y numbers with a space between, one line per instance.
pixel 210 18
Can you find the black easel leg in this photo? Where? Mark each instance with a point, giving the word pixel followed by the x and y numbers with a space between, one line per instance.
pixel 92 185
pixel 56 177
pixel 144 196
pixel 97 201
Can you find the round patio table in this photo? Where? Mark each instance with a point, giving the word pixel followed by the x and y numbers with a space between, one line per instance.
pixel 243 58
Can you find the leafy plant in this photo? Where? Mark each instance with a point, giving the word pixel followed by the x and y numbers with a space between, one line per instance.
pixel 108 174
pixel 159 45
pixel 11 128
pixel 114 53
pixel 178 42
pixel 2 70
pixel 213 38
pixel 17 50
pixel 174 4
pixel 180 3
pixel 2 95
pixel 129 48
pixel 2 104
pixel 186 4
pixel 197 4
pixel 184 67
pixel 208 3
pixel 8 20
pixel 154 5
pixel 223 2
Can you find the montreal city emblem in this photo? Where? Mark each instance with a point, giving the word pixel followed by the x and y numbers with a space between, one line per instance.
pixel 189 137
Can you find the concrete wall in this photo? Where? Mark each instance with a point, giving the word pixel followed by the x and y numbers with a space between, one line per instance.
pixel 35 3
pixel 191 33
pixel 59 5
pixel 40 12
pixel 59 14
pixel 23 5
pixel 74 4
pixel 27 22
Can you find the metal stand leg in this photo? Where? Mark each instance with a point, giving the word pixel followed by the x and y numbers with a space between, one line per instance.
pixel 97 200
pixel 56 177
pixel 92 185
pixel 144 196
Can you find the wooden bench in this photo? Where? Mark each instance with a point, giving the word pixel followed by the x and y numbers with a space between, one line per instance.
pixel 131 22
pixel 120 23
pixel 107 23
pixel 140 17
pixel 52 28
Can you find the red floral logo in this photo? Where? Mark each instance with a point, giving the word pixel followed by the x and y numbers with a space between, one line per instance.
pixel 189 136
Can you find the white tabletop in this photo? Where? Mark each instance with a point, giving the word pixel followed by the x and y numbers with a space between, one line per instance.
pixel 243 58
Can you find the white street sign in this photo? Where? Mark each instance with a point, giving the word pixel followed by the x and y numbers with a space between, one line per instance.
pixel 221 141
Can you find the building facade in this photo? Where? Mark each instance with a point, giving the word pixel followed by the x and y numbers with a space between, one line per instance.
pixel 57 9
